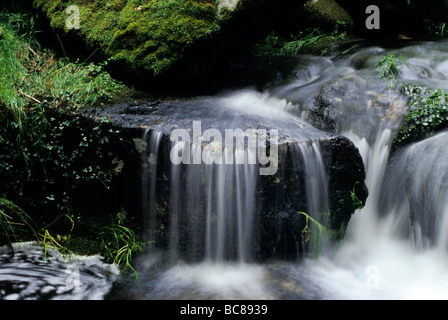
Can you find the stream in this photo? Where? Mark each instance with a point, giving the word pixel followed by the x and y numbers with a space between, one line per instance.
pixel 384 255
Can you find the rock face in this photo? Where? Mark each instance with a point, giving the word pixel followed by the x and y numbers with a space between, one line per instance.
pixel 232 210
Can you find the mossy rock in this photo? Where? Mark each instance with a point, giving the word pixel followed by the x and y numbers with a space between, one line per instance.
pixel 326 13
pixel 145 35
pixel 426 115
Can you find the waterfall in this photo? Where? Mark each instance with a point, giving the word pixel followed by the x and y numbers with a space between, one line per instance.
pixel 426 171
pixel 149 180
pixel 316 188
pixel 205 202
pixel 396 247
pixel 211 206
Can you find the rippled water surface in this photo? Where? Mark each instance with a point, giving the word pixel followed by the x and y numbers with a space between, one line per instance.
pixel 30 274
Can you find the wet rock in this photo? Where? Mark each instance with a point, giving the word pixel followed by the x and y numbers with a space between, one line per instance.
pixel 326 14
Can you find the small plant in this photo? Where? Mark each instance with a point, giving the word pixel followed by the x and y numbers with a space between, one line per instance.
pixel 50 241
pixel 303 41
pixel 12 222
pixel 389 68
pixel 34 80
pixel 357 204
pixel 307 232
pixel 120 243
pixel 15 226
pixel 322 230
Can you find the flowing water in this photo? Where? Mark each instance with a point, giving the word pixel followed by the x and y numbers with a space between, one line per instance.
pixel 32 274
pixel 394 248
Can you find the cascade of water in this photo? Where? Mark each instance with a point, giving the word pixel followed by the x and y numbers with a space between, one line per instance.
pixel 212 207
pixel 396 245
pixel 316 188
pixel 426 173
pixel 406 209
pixel 149 180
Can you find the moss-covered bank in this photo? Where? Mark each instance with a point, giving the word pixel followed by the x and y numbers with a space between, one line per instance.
pixel 59 172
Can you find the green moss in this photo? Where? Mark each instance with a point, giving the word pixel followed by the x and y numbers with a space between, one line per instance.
pixel 427 114
pixel 146 34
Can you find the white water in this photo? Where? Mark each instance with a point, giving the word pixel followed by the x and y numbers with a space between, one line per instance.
pixel 213 203
pixel 386 255
pixel 394 248
pixel 376 261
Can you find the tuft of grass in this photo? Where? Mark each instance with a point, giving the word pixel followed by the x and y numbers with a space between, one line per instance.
pixel 119 244
pixel 14 222
pixel 36 80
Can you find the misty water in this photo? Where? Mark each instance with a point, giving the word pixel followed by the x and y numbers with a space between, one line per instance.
pixel 394 248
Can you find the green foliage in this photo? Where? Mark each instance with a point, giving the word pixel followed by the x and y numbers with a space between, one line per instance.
pixel 149 35
pixel 439 29
pixel 33 80
pixel 120 243
pixel 294 47
pixel 49 167
pixel 48 153
pixel 306 231
pixel 14 222
pixel 427 113
pixel 389 68
pixel 52 241
pixel 44 145
pixel 17 226
pixel 311 40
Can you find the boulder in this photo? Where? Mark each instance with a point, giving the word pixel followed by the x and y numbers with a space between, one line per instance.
pixel 326 14
pixel 154 37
